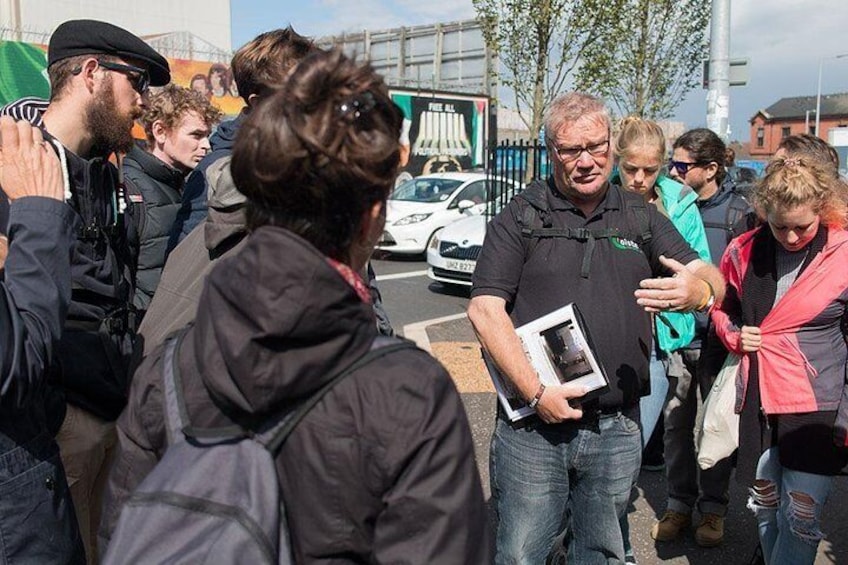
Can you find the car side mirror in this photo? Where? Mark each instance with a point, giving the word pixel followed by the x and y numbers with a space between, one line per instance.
pixel 465 205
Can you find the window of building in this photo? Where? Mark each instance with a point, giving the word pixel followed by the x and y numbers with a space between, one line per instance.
pixel 761 135
pixel 785 131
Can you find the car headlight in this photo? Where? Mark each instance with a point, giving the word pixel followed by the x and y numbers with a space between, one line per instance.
pixel 412 219
pixel 434 242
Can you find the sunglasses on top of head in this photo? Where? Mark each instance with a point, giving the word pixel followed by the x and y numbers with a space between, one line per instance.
pixel 139 78
pixel 682 167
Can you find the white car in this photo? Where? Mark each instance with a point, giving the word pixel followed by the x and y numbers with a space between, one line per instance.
pixel 422 206
pixel 452 253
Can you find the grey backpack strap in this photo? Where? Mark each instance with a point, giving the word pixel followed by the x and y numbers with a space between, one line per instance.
pixel 274 438
pixel 177 420
pixel 175 412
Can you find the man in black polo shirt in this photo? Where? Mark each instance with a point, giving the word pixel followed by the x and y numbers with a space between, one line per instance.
pixel 577 460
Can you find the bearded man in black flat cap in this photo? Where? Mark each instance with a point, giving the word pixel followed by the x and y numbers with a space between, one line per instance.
pixel 99 76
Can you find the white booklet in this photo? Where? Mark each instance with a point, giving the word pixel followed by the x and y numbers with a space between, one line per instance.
pixel 559 347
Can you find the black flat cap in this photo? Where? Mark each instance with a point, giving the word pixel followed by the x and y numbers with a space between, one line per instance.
pixel 89 37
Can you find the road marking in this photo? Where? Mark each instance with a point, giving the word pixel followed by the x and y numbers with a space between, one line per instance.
pixel 401 276
pixel 417 332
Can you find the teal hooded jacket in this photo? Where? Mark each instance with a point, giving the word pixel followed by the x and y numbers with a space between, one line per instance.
pixel 680 203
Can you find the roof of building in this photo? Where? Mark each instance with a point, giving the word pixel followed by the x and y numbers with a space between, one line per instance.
pixel 797 107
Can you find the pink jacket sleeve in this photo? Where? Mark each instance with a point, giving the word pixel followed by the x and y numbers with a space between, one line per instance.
pixel 726 316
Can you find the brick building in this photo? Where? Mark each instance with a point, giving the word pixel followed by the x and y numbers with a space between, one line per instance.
pixel 789 116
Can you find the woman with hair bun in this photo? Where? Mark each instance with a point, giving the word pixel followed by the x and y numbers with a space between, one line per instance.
pixel 786 298
pixel 382 469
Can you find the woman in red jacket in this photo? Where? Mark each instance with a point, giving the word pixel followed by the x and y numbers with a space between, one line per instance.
pixel 786 297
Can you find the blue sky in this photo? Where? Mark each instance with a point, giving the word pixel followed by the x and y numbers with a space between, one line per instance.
pixel 784 40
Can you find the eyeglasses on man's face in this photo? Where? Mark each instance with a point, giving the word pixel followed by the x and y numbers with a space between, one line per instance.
pixel 568 154
pixel 682 167
pixel 139 78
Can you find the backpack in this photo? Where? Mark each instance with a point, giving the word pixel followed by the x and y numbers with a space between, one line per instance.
pixel 215 495
pixel 535 223
pixel 738 211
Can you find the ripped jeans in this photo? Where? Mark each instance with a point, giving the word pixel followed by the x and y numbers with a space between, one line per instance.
pixel 788 506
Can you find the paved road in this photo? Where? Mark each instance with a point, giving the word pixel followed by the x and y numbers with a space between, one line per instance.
pixel 413 299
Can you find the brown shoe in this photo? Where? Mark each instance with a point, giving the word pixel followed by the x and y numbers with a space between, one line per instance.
pixel 670 526
pixel 710 532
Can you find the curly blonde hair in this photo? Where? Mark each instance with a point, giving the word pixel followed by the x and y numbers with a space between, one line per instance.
pixel 170 103
pixel 797 181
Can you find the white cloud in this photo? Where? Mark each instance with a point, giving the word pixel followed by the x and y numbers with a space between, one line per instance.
pixel 375 15
pixel 436 11
pixel 784 41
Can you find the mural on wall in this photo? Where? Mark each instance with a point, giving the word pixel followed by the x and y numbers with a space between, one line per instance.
pixel 215 80
pixel 443 132
pixel 23 72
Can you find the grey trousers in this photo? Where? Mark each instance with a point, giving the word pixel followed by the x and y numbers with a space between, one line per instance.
pixel 688 485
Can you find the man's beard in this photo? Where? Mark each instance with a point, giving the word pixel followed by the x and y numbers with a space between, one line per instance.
pixel 110 131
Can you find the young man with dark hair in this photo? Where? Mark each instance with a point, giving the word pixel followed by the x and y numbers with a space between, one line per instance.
pixel 698 161
pixel 210 199
pixel 258 67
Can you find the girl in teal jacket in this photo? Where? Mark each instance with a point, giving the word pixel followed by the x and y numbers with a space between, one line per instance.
pixel 640 152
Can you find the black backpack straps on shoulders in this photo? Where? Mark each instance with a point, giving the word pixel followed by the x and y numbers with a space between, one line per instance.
pixel 641 224
pixel 737 211
pixel 274 438
pixel 536 225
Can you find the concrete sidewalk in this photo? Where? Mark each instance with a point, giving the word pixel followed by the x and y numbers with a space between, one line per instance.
pixel 454 344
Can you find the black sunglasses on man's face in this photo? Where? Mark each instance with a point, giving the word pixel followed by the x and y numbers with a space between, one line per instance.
pixel 139 78
pixel 683 167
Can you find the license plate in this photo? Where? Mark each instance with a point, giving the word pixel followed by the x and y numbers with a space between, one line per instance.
pixel 461 266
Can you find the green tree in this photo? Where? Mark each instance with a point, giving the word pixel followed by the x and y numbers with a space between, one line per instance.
pixel 651 60
pixel 540 43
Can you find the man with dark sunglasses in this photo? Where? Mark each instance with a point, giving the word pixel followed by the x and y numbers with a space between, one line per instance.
pixel 698 160
pixel 99 75
pixel 139 78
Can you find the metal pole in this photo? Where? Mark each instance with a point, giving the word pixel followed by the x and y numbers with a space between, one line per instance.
pixel 818 91
pixel 818 100
pixel 718 97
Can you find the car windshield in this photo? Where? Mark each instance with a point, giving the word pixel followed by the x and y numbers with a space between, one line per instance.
pixel 425 189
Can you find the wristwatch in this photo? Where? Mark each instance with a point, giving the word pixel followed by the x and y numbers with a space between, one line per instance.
pixel 710 301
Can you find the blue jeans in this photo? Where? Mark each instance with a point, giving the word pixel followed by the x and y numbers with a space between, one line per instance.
pixel 788 506
pixel 651 406
pixel 549 477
